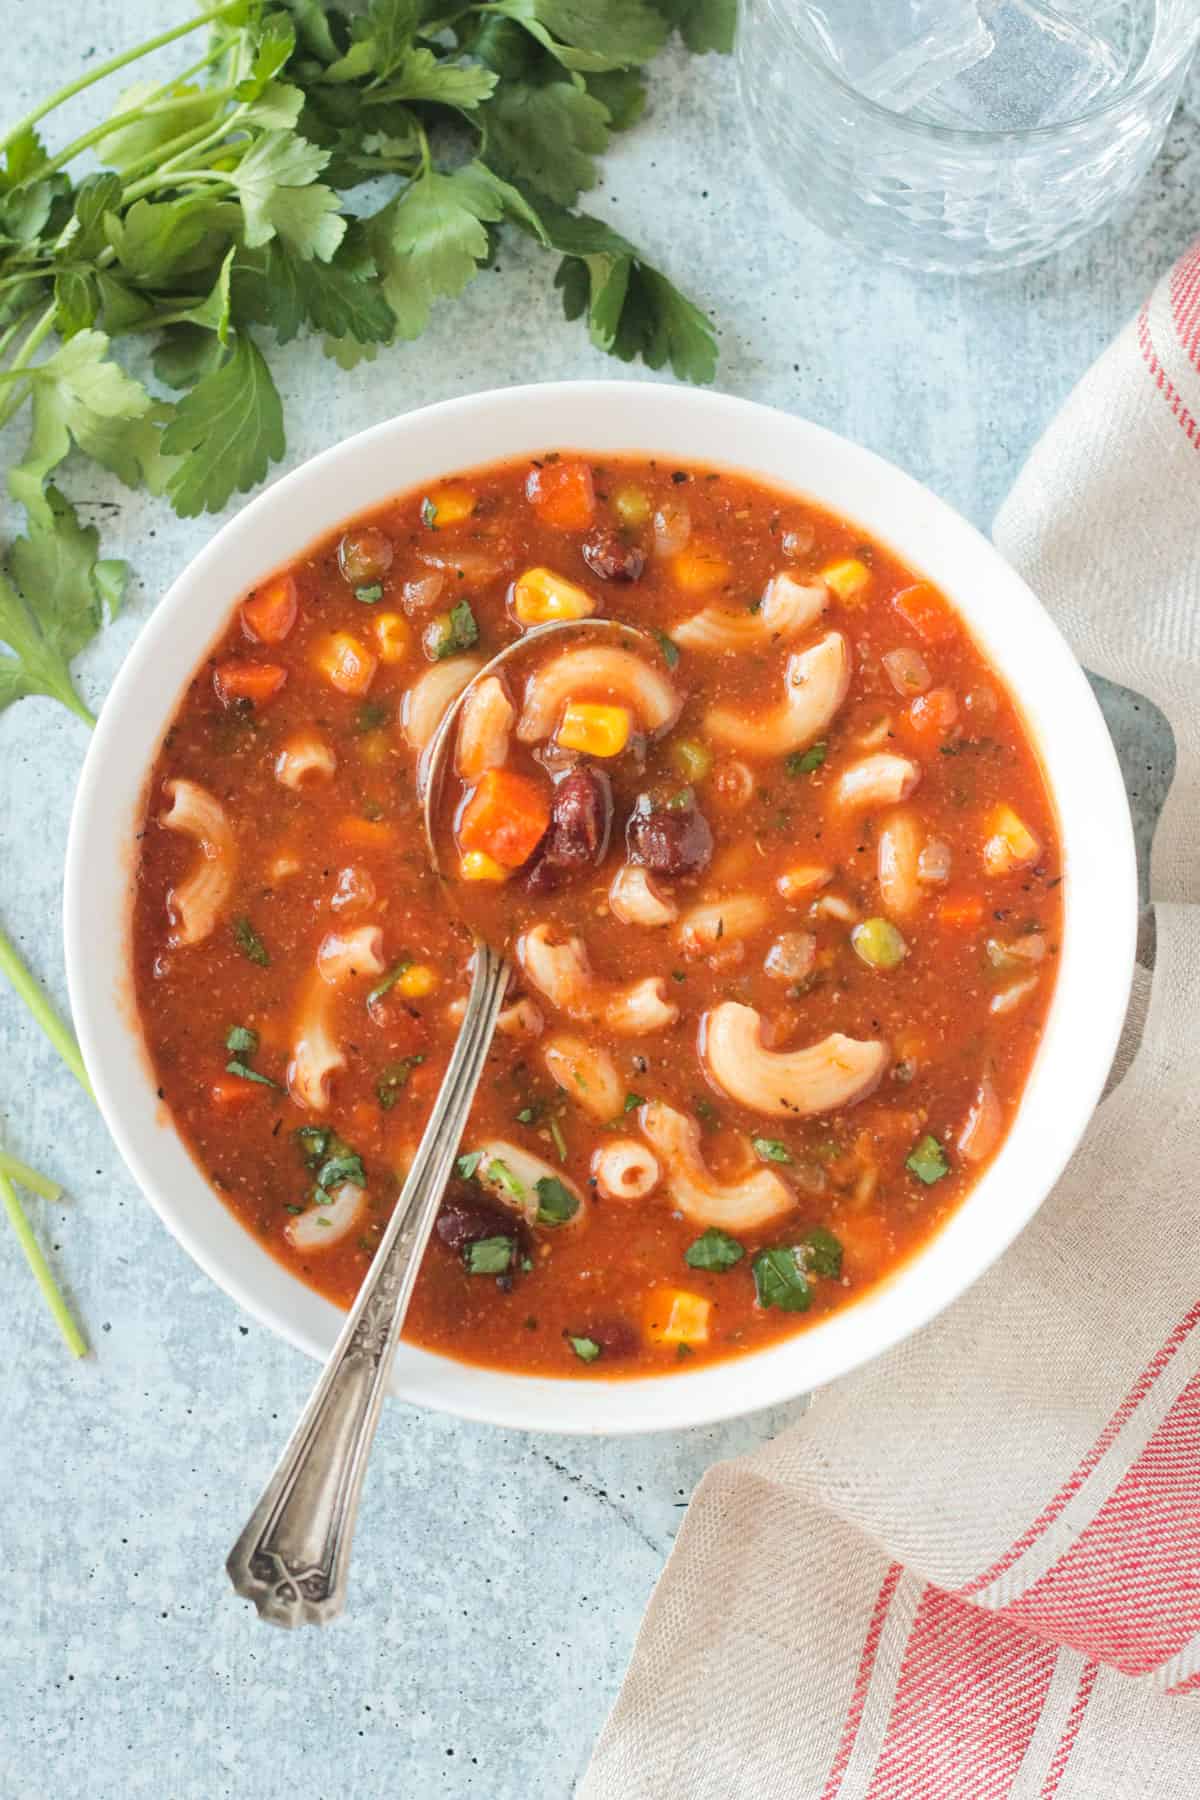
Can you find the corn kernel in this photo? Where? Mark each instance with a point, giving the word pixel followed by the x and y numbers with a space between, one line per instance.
pixel 448 506
pixel 1010 843
pixel 848 579
pixel 393 637
pixel 595 729
pixel 677 1317
pixel 417 981
pixel 345 663
pixel 540 595
pixel 477 865
pixel 699 569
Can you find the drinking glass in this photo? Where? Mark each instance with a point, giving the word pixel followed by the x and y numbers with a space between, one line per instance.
pixel 961 135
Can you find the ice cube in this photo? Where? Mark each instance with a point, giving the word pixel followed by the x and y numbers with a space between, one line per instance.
pixel 1042 69
pixel 898 51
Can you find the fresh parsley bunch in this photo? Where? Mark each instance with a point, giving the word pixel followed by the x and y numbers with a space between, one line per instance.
pixel 216 226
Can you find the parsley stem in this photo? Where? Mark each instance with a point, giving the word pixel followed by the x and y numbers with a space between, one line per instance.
pixel 14 401
pixel 113 64
pixel 16 1170
pixel 27 989
pixel 51 1293
pixel 162 158
pixel 159 100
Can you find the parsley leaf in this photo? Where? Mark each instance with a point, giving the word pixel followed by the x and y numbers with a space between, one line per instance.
pixel 822 1252
pixel 249 942
pixel 928 1161
pixel 386 982
pixel 53 605
pixel 702 24
pixel 242 1041
pixel 394 1080
pixel 589 37
pixel 227 430
pixel 431 241
pixel 556 1202
pixel 489 1256
pixel 467 1164
pixel 771 1150
pixel 632 309
pixel 236 1067
pixel 585 1348
pixel 632 1102
pixel 547 135
pixel 669 648
pixel 276 182
pixel 803 762
pixel 345 1165
pixel 780 1281
pixel 713 1250
pixel 81 396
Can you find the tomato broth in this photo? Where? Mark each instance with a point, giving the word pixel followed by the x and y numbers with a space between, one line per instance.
pixel 779 872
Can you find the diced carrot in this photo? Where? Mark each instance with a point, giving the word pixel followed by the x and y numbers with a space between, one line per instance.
pixel 505 816
pixel 699 569
pixel 256 682
pixel 232 1090
pixel 963 912
pixel 270 612
pixel 368 833
pixel 922 607
pixel 929 719
pixel 562 494
pixel 675 1316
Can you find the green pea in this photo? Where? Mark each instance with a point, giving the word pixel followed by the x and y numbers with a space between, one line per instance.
pixel 879 944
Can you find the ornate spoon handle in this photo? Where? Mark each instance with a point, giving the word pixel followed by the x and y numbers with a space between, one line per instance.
pixel 292 1558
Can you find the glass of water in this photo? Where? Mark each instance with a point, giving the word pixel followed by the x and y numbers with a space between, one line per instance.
pixel 961 135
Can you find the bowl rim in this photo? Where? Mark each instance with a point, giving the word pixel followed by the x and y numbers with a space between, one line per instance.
pixel 1100 894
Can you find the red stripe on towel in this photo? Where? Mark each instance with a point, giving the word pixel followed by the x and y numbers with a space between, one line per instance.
pixel 1066 1742
pixel 1104 1442
pixel 1127 1591
pixel 970 1693
pixel 862 1681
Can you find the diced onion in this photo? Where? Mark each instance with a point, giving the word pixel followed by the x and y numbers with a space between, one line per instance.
pixel 935 862
pixel 672 527
pixel 907 671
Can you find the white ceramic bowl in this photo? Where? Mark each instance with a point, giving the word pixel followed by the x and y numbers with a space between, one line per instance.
pixel 677 424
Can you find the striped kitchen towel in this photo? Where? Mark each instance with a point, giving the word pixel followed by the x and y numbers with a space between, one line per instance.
pixel 972 1572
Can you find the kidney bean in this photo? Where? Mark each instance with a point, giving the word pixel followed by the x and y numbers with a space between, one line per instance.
pixel 580 822
pixel 467 1217
pixel 616 1337
pixel 669 840
pixel 608 555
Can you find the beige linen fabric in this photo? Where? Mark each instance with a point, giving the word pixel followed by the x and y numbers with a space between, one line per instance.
pixel 972 1572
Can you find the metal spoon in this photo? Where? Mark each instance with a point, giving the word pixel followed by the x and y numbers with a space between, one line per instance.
pixel 292 1559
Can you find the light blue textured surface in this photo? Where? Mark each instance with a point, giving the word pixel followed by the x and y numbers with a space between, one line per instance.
pixel 499 1578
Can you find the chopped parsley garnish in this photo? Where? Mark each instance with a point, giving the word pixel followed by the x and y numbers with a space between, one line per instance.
pixel 633 1101
pixel 369 594
pixel 560 1142
pixel 585 1348
pixel 681 799
pixel 242 1041
pixel 372 716
pixel 705 1110
pixel 429 515
pixel 803 762
pixel 489 1256
pixel 343 1166
pixel 928 1161
pixel 388 981
pixel 394 1080
pixel 714 1250
pixel 780 1281
pixel 249 942
pixel 236 1067
pixel 669 648
pixel 771 1150
pixel 502 1177
pixel 452 631
pixel 556 1202
pixel 467 1164
pixel 331 1159
pixel 822 1252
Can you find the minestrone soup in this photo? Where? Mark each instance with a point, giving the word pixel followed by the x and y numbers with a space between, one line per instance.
pixel 778 872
